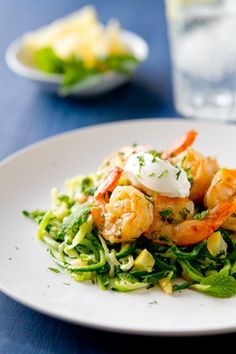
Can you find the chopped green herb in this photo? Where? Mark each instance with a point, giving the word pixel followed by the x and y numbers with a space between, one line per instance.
pixel 154 236
pixel 166 214
pixel 150 199
pixel 141 162
pixel 154 302
pixel 65 199
pixel 55 270
pixel 178 174
pixel 184 212
pixel 87 186
pixel 165 172
pixel 188 169
pixel 183 160
pixel 190 179
pixel 151 174
pixel 155 155
pixel 66 283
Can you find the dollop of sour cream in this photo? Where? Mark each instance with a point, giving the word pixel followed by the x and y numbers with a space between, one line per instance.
pixel 157 175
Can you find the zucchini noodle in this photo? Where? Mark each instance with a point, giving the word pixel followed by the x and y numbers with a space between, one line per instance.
pixel 108 233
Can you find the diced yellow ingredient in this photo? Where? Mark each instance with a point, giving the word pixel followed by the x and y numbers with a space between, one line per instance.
pixel 144 261
pixel 216 244
pixel 166 286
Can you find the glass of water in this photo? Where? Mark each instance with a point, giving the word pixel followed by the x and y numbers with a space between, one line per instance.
pixel 202 36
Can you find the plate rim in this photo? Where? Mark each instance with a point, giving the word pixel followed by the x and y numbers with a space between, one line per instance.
pixel 102 125
pixel 114 328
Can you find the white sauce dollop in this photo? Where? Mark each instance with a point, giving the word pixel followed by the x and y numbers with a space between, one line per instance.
pixel 157 175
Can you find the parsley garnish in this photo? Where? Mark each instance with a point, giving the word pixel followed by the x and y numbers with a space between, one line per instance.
pixel 178 173
pixel 155 155
pixel 55 270
pixel 188 169
pixel 150 199
pixel 190 179
pixel 141 162
pixel 162 174
pixel 166 214
pixel 154 302
pixel 182 161
pixel 151 174
pixel 87 186
pixel 184 212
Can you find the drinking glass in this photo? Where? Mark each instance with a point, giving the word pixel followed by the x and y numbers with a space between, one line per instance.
pixel 202 36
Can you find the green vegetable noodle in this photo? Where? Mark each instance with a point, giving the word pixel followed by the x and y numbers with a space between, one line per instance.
pixel 104 230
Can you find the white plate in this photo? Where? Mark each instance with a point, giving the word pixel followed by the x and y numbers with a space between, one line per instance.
pixel 25 181
pixel 109 81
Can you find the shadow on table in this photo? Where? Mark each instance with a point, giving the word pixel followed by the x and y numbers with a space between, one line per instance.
pixel 137 99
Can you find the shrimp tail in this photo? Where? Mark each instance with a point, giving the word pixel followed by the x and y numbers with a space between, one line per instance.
pixel 102 195
pixel 194 231
pixel 218 215
pixel 108 184
pixel 180 145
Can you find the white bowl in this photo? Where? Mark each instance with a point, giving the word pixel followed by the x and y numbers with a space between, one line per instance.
pixel 51 82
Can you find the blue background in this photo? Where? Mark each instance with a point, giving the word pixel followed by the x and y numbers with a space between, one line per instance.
pixel 28 114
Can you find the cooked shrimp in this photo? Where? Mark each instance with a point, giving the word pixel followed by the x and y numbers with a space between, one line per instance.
pixel 108 184
pixel 180 145
pixel 200 169
pixel 167 213
pixel 222 188
pixel 167 222
pixel 127 214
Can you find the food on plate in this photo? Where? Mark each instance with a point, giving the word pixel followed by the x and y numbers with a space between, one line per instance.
pixel 147 217
pixel 80 48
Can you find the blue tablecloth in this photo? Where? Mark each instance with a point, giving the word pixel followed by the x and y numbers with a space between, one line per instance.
pixel 29 114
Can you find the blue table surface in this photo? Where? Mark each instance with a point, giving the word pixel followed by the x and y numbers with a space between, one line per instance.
pixel 29 114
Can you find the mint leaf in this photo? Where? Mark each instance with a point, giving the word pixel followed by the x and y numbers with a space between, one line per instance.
pixel 217 285
pixel 47 61
pixel 123 63
pixel 72 223
pixel 76 72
